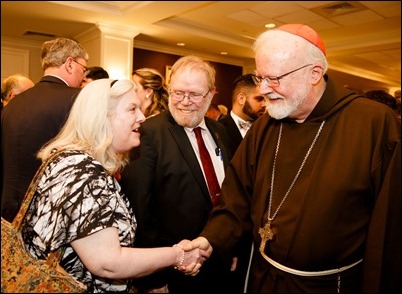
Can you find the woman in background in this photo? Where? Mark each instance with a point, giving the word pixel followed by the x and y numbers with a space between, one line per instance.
pixel 152 91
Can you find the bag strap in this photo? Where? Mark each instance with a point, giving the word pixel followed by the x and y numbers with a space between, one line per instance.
pixel 55 256
pixel 19 218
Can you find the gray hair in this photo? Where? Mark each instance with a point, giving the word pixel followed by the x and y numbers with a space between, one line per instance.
pixel 192 61
pixel 55 52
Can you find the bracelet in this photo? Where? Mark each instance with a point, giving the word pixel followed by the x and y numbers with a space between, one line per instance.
pixel 182 258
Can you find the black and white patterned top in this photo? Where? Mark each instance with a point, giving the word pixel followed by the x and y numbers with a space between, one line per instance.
pixel 77 197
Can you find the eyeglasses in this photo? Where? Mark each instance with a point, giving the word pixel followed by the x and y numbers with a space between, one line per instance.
pixel 274 81
pixel 83 66
pixel 178 96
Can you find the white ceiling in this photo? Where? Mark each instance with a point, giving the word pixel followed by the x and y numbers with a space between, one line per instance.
pixel 362 37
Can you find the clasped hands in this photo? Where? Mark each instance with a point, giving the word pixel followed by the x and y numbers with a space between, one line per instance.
pixel 195 254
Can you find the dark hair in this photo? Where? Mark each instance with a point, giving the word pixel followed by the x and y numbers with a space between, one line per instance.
pixel 246 80
pixel 243 83
pixel 382 97
pixel 96 73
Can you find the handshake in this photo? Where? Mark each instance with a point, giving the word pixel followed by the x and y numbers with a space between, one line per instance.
pixel 195 253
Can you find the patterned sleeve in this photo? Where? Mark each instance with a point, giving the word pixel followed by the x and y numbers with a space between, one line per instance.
pixel 77 198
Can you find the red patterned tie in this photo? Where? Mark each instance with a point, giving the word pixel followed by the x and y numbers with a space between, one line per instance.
pixel 212 180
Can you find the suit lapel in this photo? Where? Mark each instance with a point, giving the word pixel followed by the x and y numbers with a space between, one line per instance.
pixel 235 129
pixel 183 143
pixel 218 140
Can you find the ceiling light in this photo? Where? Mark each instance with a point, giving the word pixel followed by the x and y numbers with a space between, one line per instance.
pixel 270 25
pixel 224 53
pixel 181 44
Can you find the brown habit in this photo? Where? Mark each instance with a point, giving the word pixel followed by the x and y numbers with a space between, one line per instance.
pixel 344 206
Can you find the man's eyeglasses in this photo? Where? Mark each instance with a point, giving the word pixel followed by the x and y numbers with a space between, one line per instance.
pixel 83 66
pixel 274 81
pixel 178 96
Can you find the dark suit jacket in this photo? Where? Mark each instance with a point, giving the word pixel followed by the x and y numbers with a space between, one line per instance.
pixel 169 195
pixel 232 130
pixel 30 120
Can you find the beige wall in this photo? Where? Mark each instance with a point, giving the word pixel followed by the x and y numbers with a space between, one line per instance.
pixel 21 57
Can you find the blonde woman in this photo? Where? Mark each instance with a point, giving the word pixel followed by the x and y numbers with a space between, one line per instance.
pixel 78 203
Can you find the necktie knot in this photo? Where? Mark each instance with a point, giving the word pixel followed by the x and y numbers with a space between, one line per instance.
pixel 197 131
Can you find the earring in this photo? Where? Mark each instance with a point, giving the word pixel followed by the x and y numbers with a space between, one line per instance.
pixel 147 96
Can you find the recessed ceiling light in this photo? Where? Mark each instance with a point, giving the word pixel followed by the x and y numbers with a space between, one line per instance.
pixel 270 25
pixel 181 44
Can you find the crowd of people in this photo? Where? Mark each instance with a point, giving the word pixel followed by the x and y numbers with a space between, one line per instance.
pixel 156 189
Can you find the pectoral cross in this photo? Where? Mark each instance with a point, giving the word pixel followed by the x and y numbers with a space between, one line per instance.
pixel 266 234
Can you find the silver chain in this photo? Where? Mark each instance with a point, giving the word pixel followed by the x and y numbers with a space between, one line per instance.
pixel 270 219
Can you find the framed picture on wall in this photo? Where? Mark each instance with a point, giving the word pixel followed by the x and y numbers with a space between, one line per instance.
pixel 168 69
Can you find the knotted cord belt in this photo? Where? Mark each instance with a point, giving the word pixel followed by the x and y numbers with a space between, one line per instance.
pixel 308 274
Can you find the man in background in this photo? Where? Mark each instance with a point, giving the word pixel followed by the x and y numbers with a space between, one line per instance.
pixel 94 73
pixel 247 105
pixel 36 115
pixel 14 85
